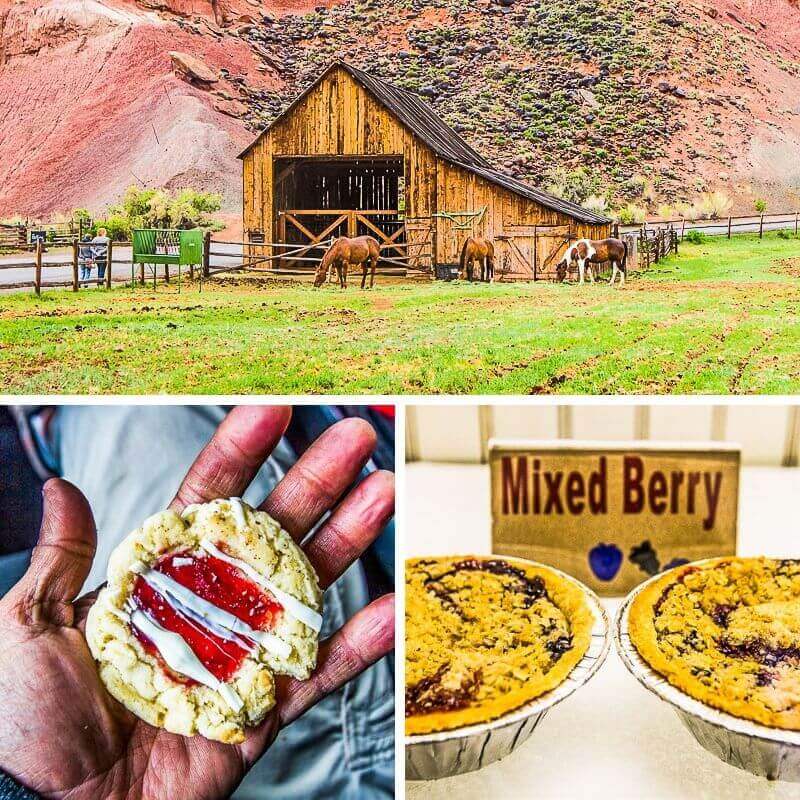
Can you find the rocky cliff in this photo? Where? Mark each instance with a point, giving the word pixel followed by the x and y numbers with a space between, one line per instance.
pixel 652 100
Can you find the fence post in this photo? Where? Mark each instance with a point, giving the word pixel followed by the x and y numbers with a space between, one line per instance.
pixel 796 215
pixel 207 254
pixel 616 230
pixel 729 227
pixel 761 228
pixel 74 265
pixel 683 226
pixel 166 273
pixel 109 262
pixel 37 277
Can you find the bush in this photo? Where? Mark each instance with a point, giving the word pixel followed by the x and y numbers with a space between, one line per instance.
pixel 784 234
pixel 714 205
pixel 158 208
pixel 576 186
pixel 760 205
pixel 631 214
pixel 596 203
pixel 665 211
pixel 118 227
pixel 694 237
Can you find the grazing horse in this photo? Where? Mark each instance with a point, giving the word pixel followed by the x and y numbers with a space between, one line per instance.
pixel 477 249
pixel 589 251
pixel 344 253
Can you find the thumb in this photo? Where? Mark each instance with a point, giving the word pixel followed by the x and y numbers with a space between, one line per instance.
pixel 61 560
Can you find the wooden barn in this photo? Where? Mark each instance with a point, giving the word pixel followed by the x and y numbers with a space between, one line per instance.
pixel 355 155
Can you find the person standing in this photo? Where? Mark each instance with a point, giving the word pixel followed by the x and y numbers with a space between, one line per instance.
pixel 100 249
pixel 86 259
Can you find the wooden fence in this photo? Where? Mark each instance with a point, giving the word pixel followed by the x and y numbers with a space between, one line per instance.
pixel 655 245
pixel 725 226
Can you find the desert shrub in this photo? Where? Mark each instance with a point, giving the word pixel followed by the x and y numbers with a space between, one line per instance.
pixel 760 205
pixel 574 185
pixel 596 203
pixel 631 214
pixel 694 237
pixel 714 205
pixel 665 211
pixel 688 211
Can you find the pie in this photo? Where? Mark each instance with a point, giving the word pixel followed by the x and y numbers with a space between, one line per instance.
pixel 485 635
pixel 200 612
pixel 727 632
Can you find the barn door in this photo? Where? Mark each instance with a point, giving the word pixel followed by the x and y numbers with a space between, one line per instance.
pixel 530 252
pixel 551 244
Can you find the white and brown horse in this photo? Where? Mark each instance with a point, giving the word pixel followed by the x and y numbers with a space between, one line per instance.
pixel 344 253
pixel 591 252
pixel 480 250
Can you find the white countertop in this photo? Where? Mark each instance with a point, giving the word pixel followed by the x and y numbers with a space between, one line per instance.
pixel 612 738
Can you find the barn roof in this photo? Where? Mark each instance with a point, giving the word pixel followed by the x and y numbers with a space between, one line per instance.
pixel 421 120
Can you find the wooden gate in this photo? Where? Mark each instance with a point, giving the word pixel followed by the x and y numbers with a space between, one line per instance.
pixel 530 252
pixel 405 243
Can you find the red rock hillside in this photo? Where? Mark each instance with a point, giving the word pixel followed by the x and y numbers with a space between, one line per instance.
pixel 658 100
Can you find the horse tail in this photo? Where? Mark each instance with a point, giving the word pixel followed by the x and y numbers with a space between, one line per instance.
pixel 462 259
pixel 624 256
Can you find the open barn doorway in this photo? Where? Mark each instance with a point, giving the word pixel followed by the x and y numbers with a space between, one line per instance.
pixel 316 198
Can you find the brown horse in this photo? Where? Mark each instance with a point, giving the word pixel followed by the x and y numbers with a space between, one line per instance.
pixel 589 251
pixel 477 249
pixel 344 253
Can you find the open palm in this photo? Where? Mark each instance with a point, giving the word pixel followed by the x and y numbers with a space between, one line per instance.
pixel 63 735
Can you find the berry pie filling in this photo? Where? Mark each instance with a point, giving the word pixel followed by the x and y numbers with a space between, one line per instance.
pixel 202 612
pixel 502 625
pixel 728 633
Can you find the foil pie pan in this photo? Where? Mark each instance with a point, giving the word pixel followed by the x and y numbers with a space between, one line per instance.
pixel 769 752
pixel 431 756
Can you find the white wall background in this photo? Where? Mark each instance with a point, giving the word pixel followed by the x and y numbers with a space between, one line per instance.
pixel 769 434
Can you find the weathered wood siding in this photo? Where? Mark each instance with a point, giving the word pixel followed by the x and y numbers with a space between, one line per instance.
pixel 340 118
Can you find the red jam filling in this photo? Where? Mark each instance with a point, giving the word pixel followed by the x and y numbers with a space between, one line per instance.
pixel 220 583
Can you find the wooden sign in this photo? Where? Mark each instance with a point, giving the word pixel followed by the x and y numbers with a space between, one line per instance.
pixel 613 514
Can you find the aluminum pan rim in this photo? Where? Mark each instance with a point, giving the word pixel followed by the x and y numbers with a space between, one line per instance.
pixel 656 683
pixel 580 674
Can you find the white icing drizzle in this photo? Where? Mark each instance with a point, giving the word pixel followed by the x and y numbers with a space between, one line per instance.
pixel 238 511
pixel 221 622
pixel 179 657
pixel 295 607
pixel 179 561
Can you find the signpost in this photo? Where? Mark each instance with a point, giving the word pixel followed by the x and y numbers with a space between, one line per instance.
pixel 613 514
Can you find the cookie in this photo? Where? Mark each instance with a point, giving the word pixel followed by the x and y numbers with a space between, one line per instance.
pixel 201 610
pixel 485 635
pixel 727 632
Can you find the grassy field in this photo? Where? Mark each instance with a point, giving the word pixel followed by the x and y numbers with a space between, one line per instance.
pixel 722 317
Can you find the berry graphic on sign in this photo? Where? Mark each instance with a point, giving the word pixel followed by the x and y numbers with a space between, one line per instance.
pixel 605 561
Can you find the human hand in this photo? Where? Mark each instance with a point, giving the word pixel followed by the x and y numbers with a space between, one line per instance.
pixel 64 736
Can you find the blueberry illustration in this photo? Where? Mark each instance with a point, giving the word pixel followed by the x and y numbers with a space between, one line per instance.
pixel 645 557
pixel 605 561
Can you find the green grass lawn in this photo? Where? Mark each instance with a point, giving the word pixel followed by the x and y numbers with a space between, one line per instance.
pixel 722 317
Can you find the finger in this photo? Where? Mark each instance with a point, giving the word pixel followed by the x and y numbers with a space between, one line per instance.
pixel 352 528
pixel 321 475
pixel 365 638
pixel 61 560
pixel 230 461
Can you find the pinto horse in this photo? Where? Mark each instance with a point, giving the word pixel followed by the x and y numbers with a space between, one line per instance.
pixel 344 253
pixel 589 251
pixel 481 250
